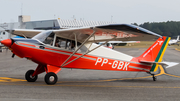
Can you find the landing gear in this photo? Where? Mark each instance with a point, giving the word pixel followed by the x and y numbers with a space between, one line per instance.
pixel 29 77
pixel 50 78
pixel 1 50
pixel 154 78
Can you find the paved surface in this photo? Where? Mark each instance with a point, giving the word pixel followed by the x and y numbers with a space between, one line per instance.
pixel 90 85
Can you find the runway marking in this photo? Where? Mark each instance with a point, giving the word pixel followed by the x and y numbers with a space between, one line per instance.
pixel 177 49
pixel 7 79
pixel 106 86
pixel 102 86
pixel 4 80
pixel 162 72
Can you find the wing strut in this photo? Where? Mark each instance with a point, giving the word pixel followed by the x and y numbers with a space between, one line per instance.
pixel 78 48
pixel 85 53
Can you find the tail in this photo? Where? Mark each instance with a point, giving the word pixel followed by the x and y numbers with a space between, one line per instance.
pixel 154 54
pixel 178 38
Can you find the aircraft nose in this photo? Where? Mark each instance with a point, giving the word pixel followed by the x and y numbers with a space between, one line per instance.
pixel 7 42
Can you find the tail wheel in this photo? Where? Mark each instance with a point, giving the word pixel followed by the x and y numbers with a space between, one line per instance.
pixel 154 78
pixel 50 78
pixel 29 77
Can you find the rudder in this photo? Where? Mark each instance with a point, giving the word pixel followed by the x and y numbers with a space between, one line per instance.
pixel 155 52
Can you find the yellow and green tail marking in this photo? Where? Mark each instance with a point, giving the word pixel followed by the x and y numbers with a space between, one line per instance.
pixel 160 54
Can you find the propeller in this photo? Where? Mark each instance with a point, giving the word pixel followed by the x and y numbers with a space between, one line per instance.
pixel 10 34
pixel 10 31
pixel 1 47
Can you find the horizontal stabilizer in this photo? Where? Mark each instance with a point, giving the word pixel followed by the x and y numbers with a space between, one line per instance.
pixel 170 64
pixel 164 63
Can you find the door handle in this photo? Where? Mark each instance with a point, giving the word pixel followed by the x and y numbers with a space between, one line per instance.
pixel 41 47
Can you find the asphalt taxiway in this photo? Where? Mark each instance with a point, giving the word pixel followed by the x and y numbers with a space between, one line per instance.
pixel 90 85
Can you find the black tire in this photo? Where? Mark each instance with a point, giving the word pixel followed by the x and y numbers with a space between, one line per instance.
pixel 50 78
pixel 29 77
pixel 154 78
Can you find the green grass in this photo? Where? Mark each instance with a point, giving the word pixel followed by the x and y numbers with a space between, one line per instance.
pixel 176 46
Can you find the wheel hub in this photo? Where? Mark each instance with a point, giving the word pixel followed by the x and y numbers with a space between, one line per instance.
pixel 51 78
pixel 32 76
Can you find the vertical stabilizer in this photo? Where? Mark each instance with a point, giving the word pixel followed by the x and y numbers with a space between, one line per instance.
pixel 178 38
pixel 155 52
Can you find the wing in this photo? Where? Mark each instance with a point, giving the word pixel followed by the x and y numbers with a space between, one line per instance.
pixel 113 32
pixel 24 32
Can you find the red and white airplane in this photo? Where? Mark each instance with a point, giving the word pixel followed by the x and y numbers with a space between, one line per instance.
pixel 76 48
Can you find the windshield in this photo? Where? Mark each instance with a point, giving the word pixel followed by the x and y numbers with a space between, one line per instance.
pixel 49 37
pixel 45 37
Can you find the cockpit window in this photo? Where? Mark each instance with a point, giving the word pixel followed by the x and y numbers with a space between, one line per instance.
pixel 69 45
pixel 107 44
pixel 45 37
pixel 48 37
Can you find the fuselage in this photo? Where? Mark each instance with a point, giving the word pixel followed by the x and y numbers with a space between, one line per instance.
pixel 171 42
pixel 101 58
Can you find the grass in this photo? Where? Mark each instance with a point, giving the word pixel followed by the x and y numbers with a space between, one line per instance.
pixel 176 46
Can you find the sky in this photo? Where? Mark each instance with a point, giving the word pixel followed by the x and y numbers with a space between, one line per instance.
pixel 119 11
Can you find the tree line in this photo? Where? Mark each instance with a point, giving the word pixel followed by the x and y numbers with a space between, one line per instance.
pixel 169 28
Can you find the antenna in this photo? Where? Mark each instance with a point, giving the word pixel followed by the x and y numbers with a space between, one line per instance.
pixel 74 17
pixel 54 16
pixel 21 8
pixel 111 18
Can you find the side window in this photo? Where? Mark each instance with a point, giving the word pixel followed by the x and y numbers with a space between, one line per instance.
pixel 68 45
pixel 4 33
pixel 61 43
pixel 49 39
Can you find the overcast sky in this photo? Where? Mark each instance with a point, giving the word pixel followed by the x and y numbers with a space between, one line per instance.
pixel 120 11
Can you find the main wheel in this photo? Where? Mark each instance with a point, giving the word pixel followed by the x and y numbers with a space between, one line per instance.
pixel 29 77
pixel 50 78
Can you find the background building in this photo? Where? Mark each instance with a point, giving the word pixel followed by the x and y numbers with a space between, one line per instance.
pixel 24 22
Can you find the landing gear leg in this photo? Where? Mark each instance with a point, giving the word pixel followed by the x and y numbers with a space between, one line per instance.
pixel 154 78
pixel 1 49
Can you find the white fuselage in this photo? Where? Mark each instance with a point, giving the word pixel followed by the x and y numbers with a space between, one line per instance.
pixel 107 53
pixel 173 41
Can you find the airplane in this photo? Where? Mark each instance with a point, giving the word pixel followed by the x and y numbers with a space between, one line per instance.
pixel 111 44
pixel 2 34
pixel 76 49
pixel 174 41
pixel 108 45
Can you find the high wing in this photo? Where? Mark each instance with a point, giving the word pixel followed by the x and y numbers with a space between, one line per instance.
pixel 112 32
pixel 25 32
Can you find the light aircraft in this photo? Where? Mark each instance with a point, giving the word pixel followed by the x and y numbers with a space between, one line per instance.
pixel 174 41
pixel 108 45
pixel 111 44
pixel 75 48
